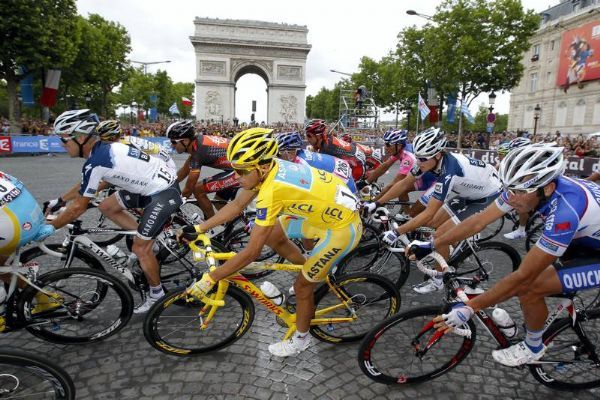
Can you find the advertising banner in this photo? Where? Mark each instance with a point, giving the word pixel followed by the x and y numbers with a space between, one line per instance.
pixel 36 144
pixel 5 144
pixel 579 57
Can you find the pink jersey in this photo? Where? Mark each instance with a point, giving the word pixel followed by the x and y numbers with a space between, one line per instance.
pixel 407 160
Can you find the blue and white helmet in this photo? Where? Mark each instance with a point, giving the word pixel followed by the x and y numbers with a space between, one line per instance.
pixel 76 121
pixel 395 136
pixel 429 142
pixel 289 140
pixel 505 147
pixel 531 167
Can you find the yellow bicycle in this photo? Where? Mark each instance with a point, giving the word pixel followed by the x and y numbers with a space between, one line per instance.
pixel 347 307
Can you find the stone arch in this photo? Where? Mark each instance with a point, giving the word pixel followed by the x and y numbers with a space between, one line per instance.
pixel 228 49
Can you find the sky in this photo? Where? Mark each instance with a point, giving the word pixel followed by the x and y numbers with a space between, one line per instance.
pixel 340 32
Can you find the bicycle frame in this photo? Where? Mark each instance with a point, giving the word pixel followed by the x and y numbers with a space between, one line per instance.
pixel 238 280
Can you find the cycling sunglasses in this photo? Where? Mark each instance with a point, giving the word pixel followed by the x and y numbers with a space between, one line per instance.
pixel 243 172
pixel 66 139
pixel 423 159
pixel 520 192
pixel 176 141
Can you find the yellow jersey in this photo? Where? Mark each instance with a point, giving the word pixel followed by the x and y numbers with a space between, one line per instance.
pixel 319 197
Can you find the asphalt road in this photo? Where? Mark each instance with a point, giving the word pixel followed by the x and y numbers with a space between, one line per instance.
pixel 126 366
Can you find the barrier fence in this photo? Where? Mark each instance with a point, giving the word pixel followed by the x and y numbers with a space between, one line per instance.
pixel 52 144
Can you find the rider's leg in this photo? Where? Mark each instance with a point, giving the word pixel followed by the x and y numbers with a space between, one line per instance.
pixel 116 212
pixel 203 201
pixel 532 298
pixel 416 209
pixel 279 242
pixel 143 250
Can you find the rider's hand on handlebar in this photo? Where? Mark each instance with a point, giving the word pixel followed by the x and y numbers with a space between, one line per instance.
pixel 188 233
pixel 457 317
pixel 53 206
pixel 369 207
pixel 417 249
pixel 390 237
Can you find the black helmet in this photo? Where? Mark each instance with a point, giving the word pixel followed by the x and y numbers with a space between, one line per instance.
pixel 181 130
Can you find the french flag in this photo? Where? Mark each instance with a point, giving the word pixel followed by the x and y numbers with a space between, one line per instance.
pixel 48 98
pixel 186 102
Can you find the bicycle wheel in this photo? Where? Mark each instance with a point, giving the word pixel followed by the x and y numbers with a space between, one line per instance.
pixel 498 259
pixel 47 262
pixel 492 229
pixel 238 240
pixel 566 364
pixel 374 298
pixel 370 235
pixel 533 235
pixel 26 376
pixel 173 325
pixel 84 306
pixel 380 261
pixel 406 348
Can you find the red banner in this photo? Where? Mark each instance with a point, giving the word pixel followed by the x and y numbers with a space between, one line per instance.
pixel 579 58
pixel 5 144
pixel 433 115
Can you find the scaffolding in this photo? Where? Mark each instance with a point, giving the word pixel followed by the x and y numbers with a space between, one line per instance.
pixel 357 116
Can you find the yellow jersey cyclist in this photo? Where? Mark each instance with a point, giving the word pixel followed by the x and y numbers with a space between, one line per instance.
pixel 565 259
pixel 292 201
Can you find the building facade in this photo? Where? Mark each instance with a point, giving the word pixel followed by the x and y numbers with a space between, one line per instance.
pixel 560 87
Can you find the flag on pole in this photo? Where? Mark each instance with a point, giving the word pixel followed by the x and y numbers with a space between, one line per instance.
pixel 465 110
pixel 423 109
pixel 451 113
pixel 173 109
pixel 48 98
pixel 186 102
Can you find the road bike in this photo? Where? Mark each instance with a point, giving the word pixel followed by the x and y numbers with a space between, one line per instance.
pixel 346 308
pixel 407 349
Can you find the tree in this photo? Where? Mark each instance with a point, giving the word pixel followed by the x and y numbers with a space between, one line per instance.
pixel 179 90
pixel 37 34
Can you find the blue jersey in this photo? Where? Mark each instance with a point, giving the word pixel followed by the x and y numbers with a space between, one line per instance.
pixel 571 215
pixel 325 162
pixel 20 215
pixel 462 177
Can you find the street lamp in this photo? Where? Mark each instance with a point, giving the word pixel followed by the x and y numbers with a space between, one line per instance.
pixel 536 115
pixel 146 63
pixel 340 72
pixel 413 12
pixel 492 100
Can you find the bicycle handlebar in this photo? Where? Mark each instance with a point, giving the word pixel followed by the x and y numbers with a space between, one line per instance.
pixel 431 271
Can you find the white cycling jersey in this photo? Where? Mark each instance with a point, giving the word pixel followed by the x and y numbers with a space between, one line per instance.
pixel 153 149
pixel 127 167
pixel 462 177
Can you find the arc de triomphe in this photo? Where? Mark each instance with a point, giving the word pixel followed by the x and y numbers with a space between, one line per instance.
pixel 227 49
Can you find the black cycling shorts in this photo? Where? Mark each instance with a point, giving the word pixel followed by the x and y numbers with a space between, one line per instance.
pixel 158 209
pixel 461 209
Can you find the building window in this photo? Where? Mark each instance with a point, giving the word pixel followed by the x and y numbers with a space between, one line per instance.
pixel 533 82
pixel 535 54
pixel 579 112
pixel 551 45
pixel 560 118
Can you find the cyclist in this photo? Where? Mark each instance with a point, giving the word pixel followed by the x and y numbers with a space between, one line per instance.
pixel 204 151
pixel 145 182
pixel 463 187
pixel 503 150
pixel 326 143
pixel 565 259
pixel 293 200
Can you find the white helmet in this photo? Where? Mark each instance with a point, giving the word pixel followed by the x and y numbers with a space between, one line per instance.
pixel 76 121
pixel 531 167
pixel 429 142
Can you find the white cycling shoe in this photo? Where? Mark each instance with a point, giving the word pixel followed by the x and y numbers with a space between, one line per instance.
pixel 517 354
pixel 432 285
pixel 290 347
pixel 515 235
pixel 145 306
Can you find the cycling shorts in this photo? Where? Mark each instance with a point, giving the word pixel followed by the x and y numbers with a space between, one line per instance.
pixel 578 269
pixel 461 209
pixel 224 184
pixel 158 209
pixel 20 220
pixel 331 247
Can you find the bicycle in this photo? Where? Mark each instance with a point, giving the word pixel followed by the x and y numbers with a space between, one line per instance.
pixel 76 305
pixel 24 376
pixel 512 217
pixel 407 349
pixel 346 308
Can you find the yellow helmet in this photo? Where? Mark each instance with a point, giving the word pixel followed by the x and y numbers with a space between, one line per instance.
pixel 109 130
pixel 252 147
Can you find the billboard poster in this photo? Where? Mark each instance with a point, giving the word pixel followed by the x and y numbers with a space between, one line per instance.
pixel 579 57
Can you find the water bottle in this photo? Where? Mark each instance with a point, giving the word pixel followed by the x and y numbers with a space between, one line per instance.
pixel 117 254
pixel 504 322
pixel 195 218
pixel 272 293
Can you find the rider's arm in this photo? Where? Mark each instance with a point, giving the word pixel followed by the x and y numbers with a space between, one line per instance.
pixel 423 218
pixel 258 238
pixel 400 188
pixel 184 170
pixel 372 176
pixel 595 177
pixel 71 193
pixel 397 179
pixel 230 210
pixel 73 211
pixel 470 226
pixel 534 263
pixel 192 179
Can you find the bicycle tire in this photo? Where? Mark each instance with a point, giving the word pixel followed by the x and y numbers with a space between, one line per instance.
pixel 383 344
pixel 556 342
pixel 85 259
pixel 492 230
pixel 382 294
pixel 60 384
pixel 76 310
pixel 376 260
pixel 533 234
pixel 175 302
